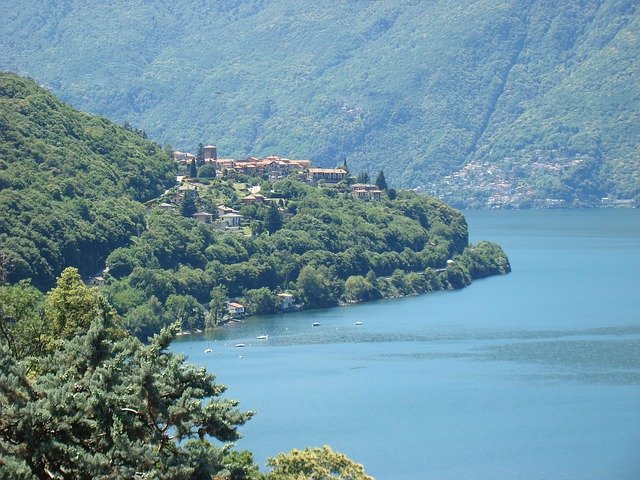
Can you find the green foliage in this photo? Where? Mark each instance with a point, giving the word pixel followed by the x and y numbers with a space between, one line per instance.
pixel 22 322
pixel 193 170
pixel 108 407
pixel 381 182
pixel 273 219
pixel 188 206
pixel 330 249
pixel 71 307
pixel 315 287
pixel 261 301
pixel 358 288
pixel 207 171
pixel 363 177
pixel 100 404
pixel 315 464
pixel 71 184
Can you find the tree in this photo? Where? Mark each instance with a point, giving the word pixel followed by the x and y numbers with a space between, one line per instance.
pixel 207 171
pixel 392 194
pixel 186 310
pixel 146 320
pixel 188 206
pixel 200 154
pixel 71 307
pixel 363 177
pixel 273 219
pixel 315 287
pixel 261 301
pixel 315 464
pixel 22 323
pixel 358 288
pixel 381 182
pixel 218 304
pixel 193 170
pixel 108 407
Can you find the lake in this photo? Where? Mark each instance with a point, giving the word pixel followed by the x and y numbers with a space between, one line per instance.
pixel 535 374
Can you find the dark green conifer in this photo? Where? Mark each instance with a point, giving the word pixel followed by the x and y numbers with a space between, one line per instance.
pixel 363 177
pixel 188 206
pixel 193 170
pixel 381 182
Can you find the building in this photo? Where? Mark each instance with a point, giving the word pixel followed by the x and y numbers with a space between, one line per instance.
pixel 203 217
pixel 254 198
pixel 287 300
pixel 223 210
pixel 235 309
pixel 166 206
pixel 329 175
pixel 210 153
pixel 230 220
pixel 97 281
pixel 188 190
pixel 183 157
pixel 366 192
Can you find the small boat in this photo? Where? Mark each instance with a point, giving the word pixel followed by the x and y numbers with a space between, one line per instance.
pixel 240 344
pixel 262 337
pixel 358 323
pixel 315 324
pixel 208 350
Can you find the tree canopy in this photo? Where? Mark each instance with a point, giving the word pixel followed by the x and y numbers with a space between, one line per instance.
pixel 69 184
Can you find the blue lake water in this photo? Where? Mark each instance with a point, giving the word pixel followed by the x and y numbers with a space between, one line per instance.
pixel 535 374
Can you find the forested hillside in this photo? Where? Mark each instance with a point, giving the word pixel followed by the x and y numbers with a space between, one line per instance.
pixel 69 184
pixel 538 99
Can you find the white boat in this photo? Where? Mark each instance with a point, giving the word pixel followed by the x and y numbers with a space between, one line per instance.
pixel 240 344
pixel 208 350
pixel 358 323
pixel 262 337
pixel 315 324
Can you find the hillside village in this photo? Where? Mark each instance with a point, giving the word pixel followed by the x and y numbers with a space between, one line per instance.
pixel 251 170
pixel 203 176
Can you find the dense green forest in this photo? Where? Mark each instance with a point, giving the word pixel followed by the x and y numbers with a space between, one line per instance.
pixel 321 244
pixel 69 183
pixel 542 96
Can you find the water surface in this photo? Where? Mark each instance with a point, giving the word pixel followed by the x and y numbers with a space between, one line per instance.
pixel 535 374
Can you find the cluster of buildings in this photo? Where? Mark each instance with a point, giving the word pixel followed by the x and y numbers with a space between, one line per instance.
pixel 225 218
pixel 272 166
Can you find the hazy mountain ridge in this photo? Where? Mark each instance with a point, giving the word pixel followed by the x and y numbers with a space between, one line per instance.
pixel 417 88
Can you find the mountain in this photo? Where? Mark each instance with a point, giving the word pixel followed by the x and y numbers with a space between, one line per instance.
pixel 520 102
pixel 70 184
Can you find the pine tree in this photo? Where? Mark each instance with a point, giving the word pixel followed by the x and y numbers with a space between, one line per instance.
pixel 200 154
pixel 110 407
pixel 381 182
pixel 193 170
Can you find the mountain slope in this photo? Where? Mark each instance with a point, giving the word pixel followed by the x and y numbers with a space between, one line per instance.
pixel 69 183
pixel 543 90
